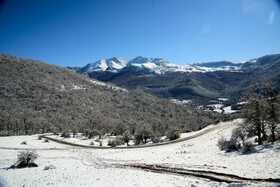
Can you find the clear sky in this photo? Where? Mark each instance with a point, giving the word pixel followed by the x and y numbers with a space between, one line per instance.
pixel 76 32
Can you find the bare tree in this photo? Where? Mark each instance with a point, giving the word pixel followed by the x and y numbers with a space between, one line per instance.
pixel 126 137
pixel 142 134
pixel 253 113
pixel 271 107
pixel 26 159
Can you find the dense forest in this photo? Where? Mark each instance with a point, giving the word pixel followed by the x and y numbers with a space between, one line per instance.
pixel 36 98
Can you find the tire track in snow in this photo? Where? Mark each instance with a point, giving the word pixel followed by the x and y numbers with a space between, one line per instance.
pixel 211 175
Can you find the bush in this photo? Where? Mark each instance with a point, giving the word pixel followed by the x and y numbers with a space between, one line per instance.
pixel 116 142
pixel 142 134
pixel 100 142
pixel 238 133
pixel 247 146
pixel 126 137
pixel 156 140
pixel 94 132
pixel 65 135
pixel 222 143
pixel 26 159
pixel 228 145
pixel 172 134
pixel 4 133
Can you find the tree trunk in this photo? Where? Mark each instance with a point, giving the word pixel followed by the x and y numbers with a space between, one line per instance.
pixel 259 134
pixel 263 131
pixel 273 134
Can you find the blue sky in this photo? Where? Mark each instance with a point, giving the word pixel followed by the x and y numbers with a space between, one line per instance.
pixel 76 32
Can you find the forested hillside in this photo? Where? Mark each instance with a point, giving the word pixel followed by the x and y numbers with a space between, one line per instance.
pixel 36 97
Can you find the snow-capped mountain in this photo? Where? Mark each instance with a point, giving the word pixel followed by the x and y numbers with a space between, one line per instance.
pixel 161 66
pixel 198 82
pixel 113 64
pixel 155 65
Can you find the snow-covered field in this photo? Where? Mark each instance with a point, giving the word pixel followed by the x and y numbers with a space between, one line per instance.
pixel 72 166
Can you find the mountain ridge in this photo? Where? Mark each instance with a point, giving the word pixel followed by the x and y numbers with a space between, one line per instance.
pixel 200 82
pixel 161 66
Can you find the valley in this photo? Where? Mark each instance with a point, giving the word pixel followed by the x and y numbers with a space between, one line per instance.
pixel 139 127
pixel 139 93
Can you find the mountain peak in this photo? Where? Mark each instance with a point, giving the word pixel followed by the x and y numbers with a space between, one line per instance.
pixel 161 66
pixel 113 64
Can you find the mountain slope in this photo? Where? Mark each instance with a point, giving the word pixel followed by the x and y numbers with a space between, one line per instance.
pixel 199 82
pixel 37 97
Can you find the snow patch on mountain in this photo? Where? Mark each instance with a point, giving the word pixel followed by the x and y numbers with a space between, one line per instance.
pixel 161 66
pixel 108 86
pixel 113 64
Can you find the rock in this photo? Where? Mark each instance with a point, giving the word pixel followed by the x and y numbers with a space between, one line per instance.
pixel 49 167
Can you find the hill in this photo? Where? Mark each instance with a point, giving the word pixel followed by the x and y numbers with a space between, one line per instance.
pixel 38 97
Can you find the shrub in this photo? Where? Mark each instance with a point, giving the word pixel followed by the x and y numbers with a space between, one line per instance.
pixel 94 132
pixel 137 138
pixel 126 137
pixel 172 134
pixel 100 142
pixel 65 135
pixel 23 143
pixel 26 159
pixel 222 143
pixel 228 145
pixel 238 133
pixel 156 140
pixel 115 142
pixel 4 133
pixel 233 145
pixel 247 146
pixel 142 134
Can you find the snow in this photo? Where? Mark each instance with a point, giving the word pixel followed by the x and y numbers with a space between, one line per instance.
pixel 103 65
pixel 114 64
pixel 62 89
pixel 217 107
pixel 228 110
pixel 222 99
pixel 32 143
pixel 157 65
pixel 183 102
pixel 194 154
pixel 107 85
pixel 72 166
pixel 78 87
